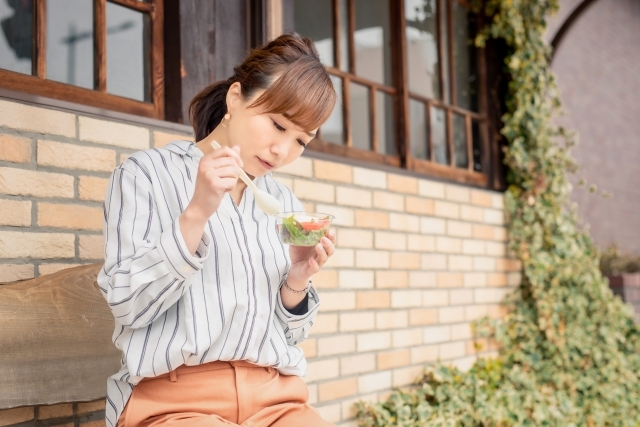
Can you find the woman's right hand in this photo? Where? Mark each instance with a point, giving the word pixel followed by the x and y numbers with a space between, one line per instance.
pixel 217 174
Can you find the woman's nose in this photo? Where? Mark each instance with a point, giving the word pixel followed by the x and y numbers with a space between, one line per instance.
pixel 280 149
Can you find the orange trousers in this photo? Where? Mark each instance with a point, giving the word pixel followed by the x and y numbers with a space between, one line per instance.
pixel 221 394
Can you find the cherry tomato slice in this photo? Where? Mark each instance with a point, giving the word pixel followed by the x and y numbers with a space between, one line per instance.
pixel 311 226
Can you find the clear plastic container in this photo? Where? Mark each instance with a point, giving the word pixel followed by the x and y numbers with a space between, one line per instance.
pixel 302 228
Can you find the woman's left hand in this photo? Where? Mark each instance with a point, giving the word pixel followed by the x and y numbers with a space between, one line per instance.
pixel 307 260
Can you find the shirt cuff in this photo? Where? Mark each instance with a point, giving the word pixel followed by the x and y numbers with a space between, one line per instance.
pixel 301 308
pixel 293 319
pixel 174 250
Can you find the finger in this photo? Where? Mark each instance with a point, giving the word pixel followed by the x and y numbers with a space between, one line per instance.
pixel 225 172
pixel 227 152
pixel 223 161
pixel 314 267
pixel 228 184
pixel 328 246
pixel 321 254
pixel 332 236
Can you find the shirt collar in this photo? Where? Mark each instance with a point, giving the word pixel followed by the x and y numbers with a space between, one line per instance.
pixel 184 148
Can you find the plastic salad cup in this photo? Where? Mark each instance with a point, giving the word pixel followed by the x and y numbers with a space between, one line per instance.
pixel 302 228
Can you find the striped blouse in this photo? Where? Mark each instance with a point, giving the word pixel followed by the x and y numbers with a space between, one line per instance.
pixel 173 308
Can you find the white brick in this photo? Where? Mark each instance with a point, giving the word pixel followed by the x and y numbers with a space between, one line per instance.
pixel 473 247
pixel 357 364
pixel 322 370
pixel 315 191
pixel 35 119
pixel 498 201
pixel 460 263
pixel 374 382
pixel 338 301
pixel 343 216
pixel 432 226
pixel 494 216
pixel 359 321
pixel 373 341
pixel 481 263
pixel 422 279
pixel 437 334
pixel 435 298
pixel 369 178
pixel 341 258
pixel 461 331
pixel 431 189
pixel 112 133
pixel 404 222
pixel 407 337
pixel 356 279
pixel 460 296
pixel 302 166
pixel 434 262
pixel 406 376
pixel 348 196
pixel 457 193
pixel 372 259
pixel 403 299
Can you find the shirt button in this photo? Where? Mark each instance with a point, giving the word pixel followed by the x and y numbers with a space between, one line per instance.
pixel 186 268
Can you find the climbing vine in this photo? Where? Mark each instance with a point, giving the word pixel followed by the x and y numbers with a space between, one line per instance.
pixel 569 351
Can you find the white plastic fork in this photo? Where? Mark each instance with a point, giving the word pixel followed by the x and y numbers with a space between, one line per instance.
pixel 265 201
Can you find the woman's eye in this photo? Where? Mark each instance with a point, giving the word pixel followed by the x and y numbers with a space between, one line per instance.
pixel 302 143
pixel 280 128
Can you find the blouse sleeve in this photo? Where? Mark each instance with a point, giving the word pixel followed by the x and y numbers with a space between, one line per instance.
pixel 297 326
pixel 147 268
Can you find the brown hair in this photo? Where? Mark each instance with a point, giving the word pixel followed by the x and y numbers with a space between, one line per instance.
pixel 294 81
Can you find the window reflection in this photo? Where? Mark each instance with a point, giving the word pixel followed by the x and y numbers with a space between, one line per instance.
pixel 418 129
pixel 332 129
pixel 460 141
pixel 313 19
pixel 70 42
pixel 372 39
pixel 384 122
pixel 422 48
pixel 16 37
pixel 360 116
pixel 464 54
pixel 439 133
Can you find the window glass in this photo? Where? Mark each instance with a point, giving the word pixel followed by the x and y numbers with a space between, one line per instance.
pixel 464 56
pixel 16 35
pixel 418 130
pixel 360 116
pixel 439 134
pixel 423 69
pixel 313 19
pixel 460 141
pixel 372 40
pixel 332 129
pixel 385 124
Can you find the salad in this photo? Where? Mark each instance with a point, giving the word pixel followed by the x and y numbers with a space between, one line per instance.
pixel 303 229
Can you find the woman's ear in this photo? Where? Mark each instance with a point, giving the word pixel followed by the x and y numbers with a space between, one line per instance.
pixel 234 97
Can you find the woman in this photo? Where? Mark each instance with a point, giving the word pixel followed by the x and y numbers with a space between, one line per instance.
pixel 208 302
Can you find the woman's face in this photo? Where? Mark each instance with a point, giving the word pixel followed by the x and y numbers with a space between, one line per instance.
pixel 267 141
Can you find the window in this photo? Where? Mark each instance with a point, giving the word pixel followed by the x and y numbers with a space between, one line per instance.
pixel 106 54
pixel 411 83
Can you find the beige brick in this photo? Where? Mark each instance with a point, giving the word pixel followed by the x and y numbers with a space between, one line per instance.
pixel 497 311
pixel 93 406
pixel 405 260
pixel 322 370
pixel 374 341
pixel 447 209
pixel 437 334
pixel 341 258
pixel 369 178
pixel 495 279
pixel 514 279
pixel 317 191
pixel 77 217
pixel 92 188
pixel 357 364
pixel 404 299
pixel 481 263
pixel 487 296
pixel 348 196
pixel 160 139
pixel 406 376
pixel 474 312
pixel 325 324
pixel 112 133
pixel 451 314
pixel 372 219
pixel 422 279
pixel 432 226
pixel 388 201
pixel 91 247
pixel 16 415
pixel 15 212
pixel 471 213
pixel 420 206
pixel 55 411
pixel 72 156
pixel 402 222
pixel 448 245
pixel 423 316
pixel 500 234
pixel 339 344
pixel 21 182
pixel 391 279
pixel 325 279
pixel 507 264
pixel 497 200
pixel 352 322
pixel 372 259
pixel 435 298
pixel 461 331
pixel 434 262
pixel 484 232
pixel 496 249
pixel 390 241
pixel 402 184
pixel 424 354
pixel 352 238
pixel 392 319
pixel 481 198
pixel 416 242
pixel 373 382
pixel 431 189
pixel 373 299
pixel 123 157
pixel 450 280
pixel 461 296
pixel 15 149
pixel 337 389
pixel 15 272
pixel 333 171
pixel 309 347
pixel 406 337
pixel 343 216
pixel 457 193
pixel 44 269
pixel 332 301
pixel 460 263
pixel 356 279
pixel 473 247
pixel 452 350
pixel 459 229
pixel 35 119
pixel 17 244
pixel 494 216
pixel 330 413
pixel 464 364
pixel 393 359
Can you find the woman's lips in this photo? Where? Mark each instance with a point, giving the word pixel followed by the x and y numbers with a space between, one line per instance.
pixel 266 165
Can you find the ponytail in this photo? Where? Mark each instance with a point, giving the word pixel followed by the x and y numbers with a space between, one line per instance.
pixel 208 108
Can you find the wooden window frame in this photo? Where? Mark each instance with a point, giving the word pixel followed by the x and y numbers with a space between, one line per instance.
pixel 400 91
pixel 37 83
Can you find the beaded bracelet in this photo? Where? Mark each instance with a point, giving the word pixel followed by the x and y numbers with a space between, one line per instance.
pixel 302 291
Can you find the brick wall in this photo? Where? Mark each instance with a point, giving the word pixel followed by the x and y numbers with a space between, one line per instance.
pixel 417 260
